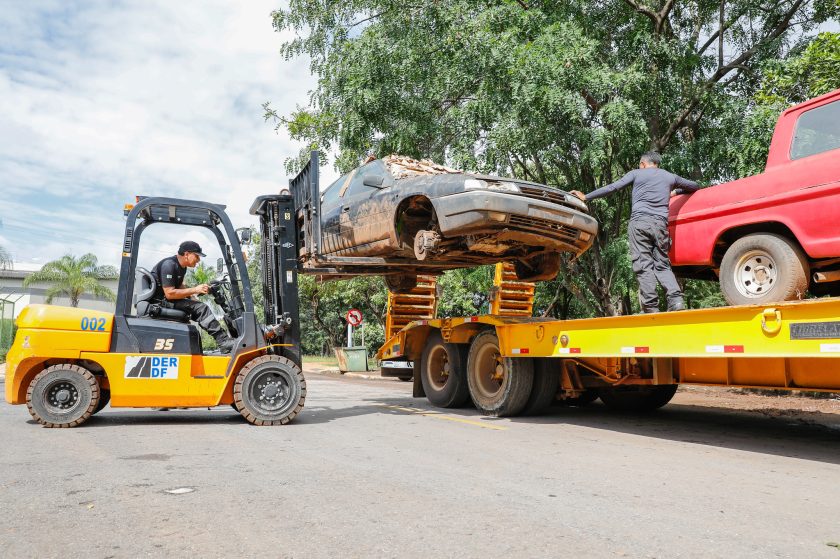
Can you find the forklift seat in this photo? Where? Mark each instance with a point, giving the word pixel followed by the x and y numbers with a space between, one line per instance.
pixel 154 309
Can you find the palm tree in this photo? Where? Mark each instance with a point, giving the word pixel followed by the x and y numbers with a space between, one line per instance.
pixel 73 276
pixel 5 259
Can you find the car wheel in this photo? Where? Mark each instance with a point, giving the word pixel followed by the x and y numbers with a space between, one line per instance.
pixel 763 268
pixel 400 283
pixel 538 268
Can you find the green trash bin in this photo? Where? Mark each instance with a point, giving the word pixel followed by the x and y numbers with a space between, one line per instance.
pixel 352 359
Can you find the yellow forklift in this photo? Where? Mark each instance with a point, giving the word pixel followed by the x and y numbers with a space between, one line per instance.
pixel 66 364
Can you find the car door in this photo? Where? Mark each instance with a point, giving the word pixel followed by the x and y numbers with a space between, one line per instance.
pixel 366 211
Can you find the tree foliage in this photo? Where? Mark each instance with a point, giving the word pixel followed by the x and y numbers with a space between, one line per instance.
pixel 72 277
pixel 563 93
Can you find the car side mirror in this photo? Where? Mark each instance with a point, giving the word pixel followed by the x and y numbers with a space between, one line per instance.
pixel 376 181
pixel 244 235
pixel 220 266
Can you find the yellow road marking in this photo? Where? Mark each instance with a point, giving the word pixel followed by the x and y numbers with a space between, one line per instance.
pixel 437 415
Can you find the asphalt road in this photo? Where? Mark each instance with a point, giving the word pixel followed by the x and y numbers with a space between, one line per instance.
pixel 367 471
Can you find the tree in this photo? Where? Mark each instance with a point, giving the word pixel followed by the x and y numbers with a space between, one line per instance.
pixel 563 93
pixel 806 74
pixel 6 262
pixel 72 277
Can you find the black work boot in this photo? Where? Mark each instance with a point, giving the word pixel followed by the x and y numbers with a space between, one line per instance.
pixel 676 305
pixel 650 310
pixel 224 342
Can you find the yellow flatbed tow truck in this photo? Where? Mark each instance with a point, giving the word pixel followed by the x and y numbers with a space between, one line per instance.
pixel 515 364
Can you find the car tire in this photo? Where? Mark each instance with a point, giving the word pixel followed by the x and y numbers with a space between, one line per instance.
pixel 499 386
pixel 400 283
pixel 763 268
pixel 269 390
pixel 538 268
pixel 442 373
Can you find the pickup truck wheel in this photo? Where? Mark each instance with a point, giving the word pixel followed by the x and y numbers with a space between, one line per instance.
pixel 442 373
pixel 545 386
pixel 539 268
pixel 63 395
pixel 269 390
pixel 400 283
pixel 637 398
pixel 763 268
pixel 499 386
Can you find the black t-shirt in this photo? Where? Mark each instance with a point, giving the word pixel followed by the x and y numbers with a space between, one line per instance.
pixel 168 273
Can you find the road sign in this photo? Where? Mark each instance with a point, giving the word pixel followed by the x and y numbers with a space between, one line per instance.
pixel 354 317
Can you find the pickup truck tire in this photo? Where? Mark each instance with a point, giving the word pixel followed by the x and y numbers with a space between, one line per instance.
pixel 62 396
pixel 545 386
pixel 442 373
pixel 763 268
pixel 499 386
pixel 637 398
pixel 400 283
pixel 269 390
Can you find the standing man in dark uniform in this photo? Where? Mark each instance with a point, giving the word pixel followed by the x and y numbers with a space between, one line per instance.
pixel 169 276
pixel 648 228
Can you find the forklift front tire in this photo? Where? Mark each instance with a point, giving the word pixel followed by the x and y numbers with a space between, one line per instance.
pixel 63 395
pixel 270 390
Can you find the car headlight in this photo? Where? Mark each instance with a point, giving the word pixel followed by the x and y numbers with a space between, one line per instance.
pixel 476 184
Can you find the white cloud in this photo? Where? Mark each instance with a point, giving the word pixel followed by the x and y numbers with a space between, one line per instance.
pixel 104 100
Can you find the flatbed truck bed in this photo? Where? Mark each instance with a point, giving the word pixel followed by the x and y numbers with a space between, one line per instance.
pixel 631 362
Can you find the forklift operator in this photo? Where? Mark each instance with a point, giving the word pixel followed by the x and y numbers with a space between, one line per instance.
pixel 169 278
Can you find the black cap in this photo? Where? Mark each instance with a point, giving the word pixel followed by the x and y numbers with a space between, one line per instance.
pixel 190 246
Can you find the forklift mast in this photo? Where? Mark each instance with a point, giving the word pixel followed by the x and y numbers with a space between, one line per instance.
pixel 278 256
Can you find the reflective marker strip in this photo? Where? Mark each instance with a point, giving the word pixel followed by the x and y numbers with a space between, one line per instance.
pixel 724 349
pixel 635 349
pixel 568 350
pixel 520 350
pixel 471 319
pixel 830 348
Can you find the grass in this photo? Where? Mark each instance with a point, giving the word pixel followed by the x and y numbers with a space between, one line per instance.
pixel 321 359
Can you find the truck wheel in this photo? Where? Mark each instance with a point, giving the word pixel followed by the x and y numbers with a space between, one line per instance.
pixel 104 398
pixel 442 373
pixel 499 386
pixel 62 396
pixel 400 283
pixel 270 390
pixel 637 398
pixel 763 268
pixel 545 386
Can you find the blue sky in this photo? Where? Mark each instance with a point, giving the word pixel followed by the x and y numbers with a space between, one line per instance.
pixel 104 100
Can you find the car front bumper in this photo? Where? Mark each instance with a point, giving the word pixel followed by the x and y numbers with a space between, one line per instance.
pixel 533 221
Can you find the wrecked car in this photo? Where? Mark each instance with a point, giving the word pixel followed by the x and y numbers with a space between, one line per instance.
pixel 399 217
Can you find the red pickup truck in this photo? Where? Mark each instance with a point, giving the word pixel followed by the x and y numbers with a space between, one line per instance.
pixel 772 236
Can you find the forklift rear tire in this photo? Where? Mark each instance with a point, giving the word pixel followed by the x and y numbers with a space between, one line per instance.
pixel 442 373
pixel 637 398
pixel 499 386
pixel 270 390
pixel 62 396
pixel 104 398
